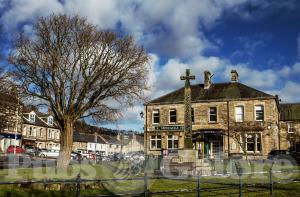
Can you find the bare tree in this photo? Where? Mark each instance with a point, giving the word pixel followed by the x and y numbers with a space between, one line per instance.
pixel 75 69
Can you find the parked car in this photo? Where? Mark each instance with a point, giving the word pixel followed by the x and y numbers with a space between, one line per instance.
pixel 49 153
pixel 15 149
pixel 76 156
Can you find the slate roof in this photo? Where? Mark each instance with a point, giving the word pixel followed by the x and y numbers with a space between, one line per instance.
pixel 111 139
pixel 217 91
pixel 289 111
pixel 83 137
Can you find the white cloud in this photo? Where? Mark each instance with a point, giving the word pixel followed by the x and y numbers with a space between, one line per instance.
pixel 289 93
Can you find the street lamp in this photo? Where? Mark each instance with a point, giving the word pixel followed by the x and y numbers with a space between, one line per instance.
pixel 142 114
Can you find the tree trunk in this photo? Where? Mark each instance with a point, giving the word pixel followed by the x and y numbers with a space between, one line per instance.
pixel 66 143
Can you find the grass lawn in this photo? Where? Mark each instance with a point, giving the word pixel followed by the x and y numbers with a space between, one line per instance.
pixel 209 185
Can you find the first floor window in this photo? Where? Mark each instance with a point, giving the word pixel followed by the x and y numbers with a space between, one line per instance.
pixel 239 113
pixel 155 115
pixel 259 112
pixel 155 142
pixel 172 141
pixel 252 142
pixel 172 115
pixel 212 114
pixel 193 116
pixel 291 127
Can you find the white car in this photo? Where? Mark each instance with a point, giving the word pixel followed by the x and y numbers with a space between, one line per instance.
pixel 49 153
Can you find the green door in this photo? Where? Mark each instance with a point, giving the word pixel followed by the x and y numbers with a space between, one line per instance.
pixel 206 149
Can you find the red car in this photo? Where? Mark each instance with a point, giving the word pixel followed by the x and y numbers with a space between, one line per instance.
pixel 11 150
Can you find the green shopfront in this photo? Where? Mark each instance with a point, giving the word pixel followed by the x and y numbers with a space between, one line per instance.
pixel 208 143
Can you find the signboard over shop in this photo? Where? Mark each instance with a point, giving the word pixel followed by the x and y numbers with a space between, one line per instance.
pixel 169 128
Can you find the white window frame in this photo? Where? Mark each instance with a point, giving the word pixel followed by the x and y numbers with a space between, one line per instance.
pixel 156 139
pixel 50 120
pixel 32 117
pixel 173 109
pixel 173 138
pixel 255 142
pixel 155 111
pixel 255 110
pixel 236 114
pixel 290 126
pixel 209 114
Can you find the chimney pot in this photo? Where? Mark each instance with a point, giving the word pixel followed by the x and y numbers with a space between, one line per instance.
pixel 207 79
pixel 234 76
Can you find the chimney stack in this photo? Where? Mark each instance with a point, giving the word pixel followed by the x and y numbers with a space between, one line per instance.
pixel 207 79
pixel 234 76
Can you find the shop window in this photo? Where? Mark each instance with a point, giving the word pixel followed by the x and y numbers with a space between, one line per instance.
pixel 172 141
pixel 155 141
pixel 253 142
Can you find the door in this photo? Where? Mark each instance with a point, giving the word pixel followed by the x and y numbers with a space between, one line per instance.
pixel 206 149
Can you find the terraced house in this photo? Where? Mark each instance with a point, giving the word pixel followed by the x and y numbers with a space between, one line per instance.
pixel 227 118
pixel 39 130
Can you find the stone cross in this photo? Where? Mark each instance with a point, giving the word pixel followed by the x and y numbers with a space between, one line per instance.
pixel 188 144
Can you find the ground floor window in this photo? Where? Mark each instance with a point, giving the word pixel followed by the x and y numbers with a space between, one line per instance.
pixel 172 141
pixel 155 141
pixel 252 142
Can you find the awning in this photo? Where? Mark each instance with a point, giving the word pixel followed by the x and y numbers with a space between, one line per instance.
pixel 10 136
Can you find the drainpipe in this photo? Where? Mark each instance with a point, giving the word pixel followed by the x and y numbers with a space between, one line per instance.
pixel 228 145
pixel 145 132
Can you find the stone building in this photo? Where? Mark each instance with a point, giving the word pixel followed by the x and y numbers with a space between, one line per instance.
pixel 290 126
pixel 227 118
pixel 10 121
pixel 39 130
pixel 131 142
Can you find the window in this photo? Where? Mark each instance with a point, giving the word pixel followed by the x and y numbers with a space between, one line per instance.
pixel 155 142
pixel 291 127
pixel 212 114
pixel 30 131
pixel 193 116
pixel 41 130
pixel 172 115
pixel 50 120
pixel 253 142
pixel 155 116
pixel 32 117
pixel 172 141
pixel 259 112
pixel 239 113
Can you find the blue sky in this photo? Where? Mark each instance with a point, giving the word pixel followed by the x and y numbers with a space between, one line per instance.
pixel 260 39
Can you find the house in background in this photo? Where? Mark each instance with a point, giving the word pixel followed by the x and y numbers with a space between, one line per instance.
pixel 290 126
pixel 113 144
pixel 10 121
pixel 79 141
pixel 39 130
pixel 131 142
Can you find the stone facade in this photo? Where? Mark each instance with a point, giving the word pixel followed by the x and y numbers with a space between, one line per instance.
pixel 215 137
pixel 39 131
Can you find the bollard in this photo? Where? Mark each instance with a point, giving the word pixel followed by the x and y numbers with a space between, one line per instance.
pixel 145 184
pixel 198 185
pixel 271 181
pixel 78 185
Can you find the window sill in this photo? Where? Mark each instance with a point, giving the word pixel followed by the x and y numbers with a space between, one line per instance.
pixel 172 123
pixel 153 149
pixel 212 122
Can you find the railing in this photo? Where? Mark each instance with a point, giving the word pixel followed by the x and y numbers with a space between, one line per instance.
pixel 242 188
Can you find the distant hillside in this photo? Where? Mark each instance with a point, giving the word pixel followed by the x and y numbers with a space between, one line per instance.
pixel 84 127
